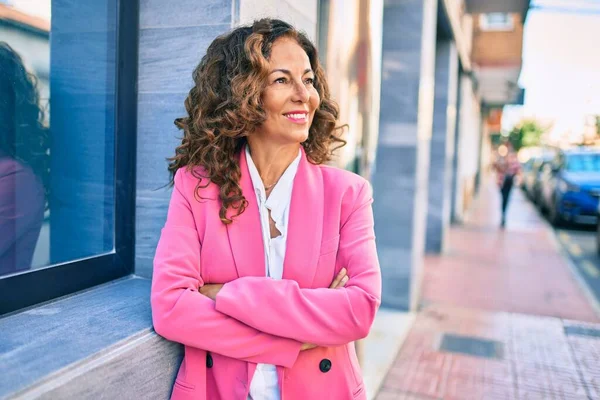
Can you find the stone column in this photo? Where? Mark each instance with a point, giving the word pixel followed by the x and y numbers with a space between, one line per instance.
pixel 467 142
pixel 454 216
pixel 401 174
pixel 442 145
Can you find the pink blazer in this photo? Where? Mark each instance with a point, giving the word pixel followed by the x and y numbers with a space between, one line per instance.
pixel 256 319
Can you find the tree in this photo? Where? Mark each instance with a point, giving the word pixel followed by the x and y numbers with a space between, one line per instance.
pixel 526 133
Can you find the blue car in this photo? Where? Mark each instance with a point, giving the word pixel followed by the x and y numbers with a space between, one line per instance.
pixel 571 186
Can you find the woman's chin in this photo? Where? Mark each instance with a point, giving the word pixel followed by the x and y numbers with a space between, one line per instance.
pixel 295 139
pixel 301 137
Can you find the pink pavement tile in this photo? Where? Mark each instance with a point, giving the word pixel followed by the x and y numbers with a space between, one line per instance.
pixel 386 394
pixel 498 372
pixel 392 395
pixel 467 388
pixel 540 362
pixel 416 379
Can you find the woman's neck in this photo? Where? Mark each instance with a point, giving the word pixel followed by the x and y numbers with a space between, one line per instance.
pixel 271 160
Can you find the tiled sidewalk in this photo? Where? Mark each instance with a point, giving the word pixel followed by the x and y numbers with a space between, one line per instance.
pixel 533 358
pixel 519 269
pixel 502 317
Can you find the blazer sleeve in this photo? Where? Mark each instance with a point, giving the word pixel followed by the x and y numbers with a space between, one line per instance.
pixel 322 316
pixel 182 314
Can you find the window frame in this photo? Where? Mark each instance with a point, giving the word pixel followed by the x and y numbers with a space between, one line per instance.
pixel 29 288
pixel 487 24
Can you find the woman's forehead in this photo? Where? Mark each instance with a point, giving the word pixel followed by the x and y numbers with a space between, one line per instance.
pixel 287 53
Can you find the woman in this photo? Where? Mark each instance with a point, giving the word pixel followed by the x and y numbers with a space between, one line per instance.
pixel 507 170
pixel 24 163
pixel 266 269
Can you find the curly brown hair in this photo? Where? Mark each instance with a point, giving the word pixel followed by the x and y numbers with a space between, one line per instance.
pixel 225 105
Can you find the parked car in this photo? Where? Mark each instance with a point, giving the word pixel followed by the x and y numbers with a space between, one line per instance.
pixel 598 229
pixel 533 173
pixel 545 186
pixel 570 185
pixel 526 168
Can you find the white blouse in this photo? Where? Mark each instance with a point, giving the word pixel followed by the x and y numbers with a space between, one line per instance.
pixel 264 385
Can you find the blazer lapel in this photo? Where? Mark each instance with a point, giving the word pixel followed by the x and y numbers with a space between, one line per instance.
pixel 245 232
pixel 305 225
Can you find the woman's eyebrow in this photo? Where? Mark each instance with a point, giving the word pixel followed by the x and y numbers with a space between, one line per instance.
pixel 287 71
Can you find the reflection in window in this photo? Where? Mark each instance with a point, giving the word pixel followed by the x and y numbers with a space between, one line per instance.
pixel 24 138
pixel 56 131
pixel 24 163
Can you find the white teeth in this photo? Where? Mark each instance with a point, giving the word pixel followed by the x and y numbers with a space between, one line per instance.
pixel 297 116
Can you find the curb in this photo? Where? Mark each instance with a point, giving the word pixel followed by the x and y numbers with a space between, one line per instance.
pixel 375 374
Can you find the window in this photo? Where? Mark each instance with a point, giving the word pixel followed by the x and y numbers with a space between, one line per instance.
pixel 496 22
pixel 583 163
pixel 66 146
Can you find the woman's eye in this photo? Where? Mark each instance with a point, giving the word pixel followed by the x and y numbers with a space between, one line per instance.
pixel 280 80
pixel 310 81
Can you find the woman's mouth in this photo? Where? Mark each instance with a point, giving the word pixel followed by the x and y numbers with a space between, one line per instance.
pixel 298 118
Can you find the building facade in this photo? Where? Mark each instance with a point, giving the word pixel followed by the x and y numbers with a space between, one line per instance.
pixel 415 80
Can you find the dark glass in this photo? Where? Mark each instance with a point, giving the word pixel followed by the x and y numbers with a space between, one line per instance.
pixel 67 181
pixel 57 133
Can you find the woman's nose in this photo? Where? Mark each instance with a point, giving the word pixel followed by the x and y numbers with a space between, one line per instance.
pixel 301 92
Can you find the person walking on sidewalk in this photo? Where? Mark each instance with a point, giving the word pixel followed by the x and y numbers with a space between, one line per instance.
pixel 508 169
pixel 258 228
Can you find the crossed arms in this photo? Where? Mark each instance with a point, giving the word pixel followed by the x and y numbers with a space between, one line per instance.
pixel 258 319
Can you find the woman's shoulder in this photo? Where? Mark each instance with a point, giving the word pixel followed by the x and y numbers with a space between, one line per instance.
pixel 10 166
pixel 16 171
pixel 343 182
pixel 194 179
pixel 341 176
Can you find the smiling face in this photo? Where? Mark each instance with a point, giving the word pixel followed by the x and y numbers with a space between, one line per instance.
pixel 290 98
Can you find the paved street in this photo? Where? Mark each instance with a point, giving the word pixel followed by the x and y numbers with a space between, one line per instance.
pixel 579 242
pixel 503 316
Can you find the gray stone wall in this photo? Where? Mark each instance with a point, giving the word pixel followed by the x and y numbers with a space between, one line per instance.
pixel 301 14
pixel 401 175
pixel 174 35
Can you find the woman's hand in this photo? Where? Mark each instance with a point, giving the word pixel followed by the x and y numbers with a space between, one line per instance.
pixel 339 281
pixel 211 290
pixel 307 346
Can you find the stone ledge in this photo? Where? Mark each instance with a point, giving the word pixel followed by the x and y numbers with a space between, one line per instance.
pixel 94 344
pixel 142 367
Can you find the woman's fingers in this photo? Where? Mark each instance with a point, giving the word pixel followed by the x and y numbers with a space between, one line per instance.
pixel 344 280
pixel 210 290
pixel 340 280
pixel 307 346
